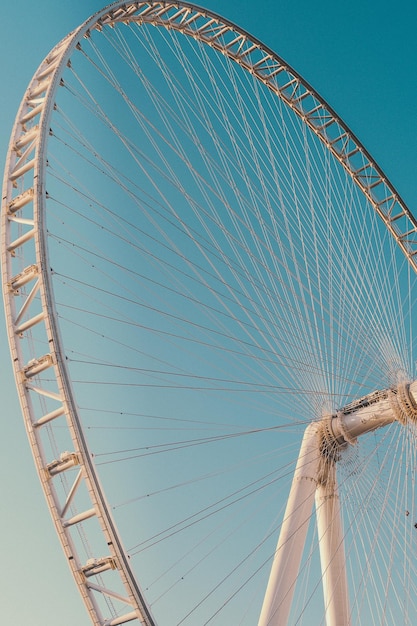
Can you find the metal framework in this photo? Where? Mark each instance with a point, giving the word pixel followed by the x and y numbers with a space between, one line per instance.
pixel 69 479
pixel 315 480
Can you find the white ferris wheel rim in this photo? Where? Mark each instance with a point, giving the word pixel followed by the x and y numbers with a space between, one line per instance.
pixel 27 158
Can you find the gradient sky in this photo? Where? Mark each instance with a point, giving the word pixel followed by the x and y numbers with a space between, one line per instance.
pixel 361 56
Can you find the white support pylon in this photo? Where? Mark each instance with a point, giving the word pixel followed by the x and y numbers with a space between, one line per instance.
pixel 286 564
pixel 315 478
pixel 331 545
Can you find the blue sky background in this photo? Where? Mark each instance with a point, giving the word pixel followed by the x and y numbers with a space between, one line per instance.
pixel 361 56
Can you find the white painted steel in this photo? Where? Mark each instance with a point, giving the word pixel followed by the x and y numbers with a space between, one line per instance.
pixel 24 252
pixel 378 410
pixel 285 567
pixel 315 478
pixel 331 545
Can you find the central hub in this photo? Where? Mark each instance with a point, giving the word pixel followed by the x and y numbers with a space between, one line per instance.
pixel 376 410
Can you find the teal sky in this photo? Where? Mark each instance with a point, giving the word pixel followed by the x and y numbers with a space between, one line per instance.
pixel 360 56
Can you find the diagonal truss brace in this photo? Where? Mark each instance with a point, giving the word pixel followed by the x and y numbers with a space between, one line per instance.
pixel 29 302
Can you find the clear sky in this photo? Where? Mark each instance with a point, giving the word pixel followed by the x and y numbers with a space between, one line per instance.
pixel 361 56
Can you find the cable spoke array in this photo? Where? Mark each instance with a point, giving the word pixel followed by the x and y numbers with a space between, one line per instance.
pixel 200 259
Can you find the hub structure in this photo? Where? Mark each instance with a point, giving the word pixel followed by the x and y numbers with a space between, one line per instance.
pixel 315 480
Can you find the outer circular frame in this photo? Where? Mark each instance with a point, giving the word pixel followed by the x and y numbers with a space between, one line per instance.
pixel 27 284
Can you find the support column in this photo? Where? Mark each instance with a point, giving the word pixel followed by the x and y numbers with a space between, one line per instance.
pixel 331 544
pixel 287 559
pixel 315 478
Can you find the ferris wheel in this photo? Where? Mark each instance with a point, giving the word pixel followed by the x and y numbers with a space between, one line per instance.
pixel 209 291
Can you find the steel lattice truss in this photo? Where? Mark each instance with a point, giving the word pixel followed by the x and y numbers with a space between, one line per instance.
pixel 27 276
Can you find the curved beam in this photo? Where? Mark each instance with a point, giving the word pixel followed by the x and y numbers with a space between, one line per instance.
pixel 28 296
